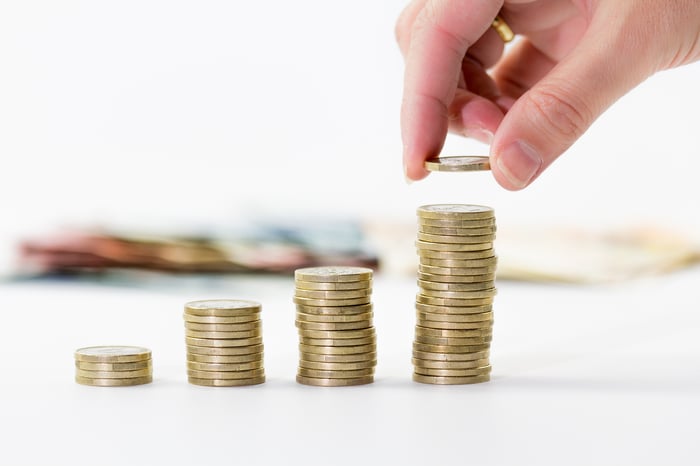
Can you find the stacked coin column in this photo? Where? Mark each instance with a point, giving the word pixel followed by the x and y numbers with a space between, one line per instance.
pixel 113 366
pixel 337 341
pixel 454 313
pixel 224 343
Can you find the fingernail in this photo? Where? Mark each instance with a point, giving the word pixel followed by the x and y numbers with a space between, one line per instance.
pixel 478 133
pixel 519 163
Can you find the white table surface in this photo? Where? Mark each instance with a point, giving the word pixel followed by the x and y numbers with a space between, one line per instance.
pixel 582 375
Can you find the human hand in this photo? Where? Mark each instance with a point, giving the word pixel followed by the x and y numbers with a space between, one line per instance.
pixel 574 59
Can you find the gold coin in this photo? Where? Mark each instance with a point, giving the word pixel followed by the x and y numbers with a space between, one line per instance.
pixel 474 333
pixel 450 365
pixel 334 311
pixel 456 318
pixel 422 299
pixel 459 263
pixel 333 325
pixel 452 341
pixel 304 372
pixel 113 382
pixel 222 327
pixel 224 367
pixel 337 366
pixel 450 231
pixel 223 343
pixel 453 247
pixel 333 274
pixel 338 341
pixel 447 223
pixel 451 380
pixel 337 350
pixel 112 354
pixel 474 294
pixel 332 286
pixel 226 382
pixel 458 164
pixel 455 325
pixel 429 277
pixel 224 335
pixel 345 358
pixel 332 302
pixel 252 317
pixel 481 242
pixel 334 382
pixel 461 287
pixel 456 270
pixel 254 348
pixel 455 211
pixel 113 375
pixel 464 350
pixel 222 307
pixel 303 317
pixel 114 366
pixel 325 294
pixel 237 359
pixel 454 310
pixel 339 334
pixel 452 372
pixel 451 357
pixel 251 374
pixel 467 255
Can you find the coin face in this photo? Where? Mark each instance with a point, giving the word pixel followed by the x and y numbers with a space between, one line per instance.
pixel 223 304
pixel 456 211
pixel 467 163
pixel 112 354
pixel 333 274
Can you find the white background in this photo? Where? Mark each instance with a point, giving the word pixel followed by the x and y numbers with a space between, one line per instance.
pixel 152 113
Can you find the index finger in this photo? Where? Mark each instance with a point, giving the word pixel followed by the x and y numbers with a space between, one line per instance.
pixel 441 35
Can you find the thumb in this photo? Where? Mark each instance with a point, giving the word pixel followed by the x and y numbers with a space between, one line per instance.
pixel 546 120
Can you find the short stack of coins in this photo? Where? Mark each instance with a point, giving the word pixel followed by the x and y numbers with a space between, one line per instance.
pixel 337 341
pixel 224 343
pixel 454 313
pixel 113 366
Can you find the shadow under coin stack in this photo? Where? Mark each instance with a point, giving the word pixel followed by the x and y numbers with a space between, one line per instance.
pixel 337 341
pixel 113 366
pixel 454 313
pixel 224 343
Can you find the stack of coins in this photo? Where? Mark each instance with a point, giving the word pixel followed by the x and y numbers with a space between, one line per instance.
pixel 224 343
pixel 113 366
pixel 456 290
pixel 337 341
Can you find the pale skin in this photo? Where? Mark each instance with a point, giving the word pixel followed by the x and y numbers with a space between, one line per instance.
pixel 572 60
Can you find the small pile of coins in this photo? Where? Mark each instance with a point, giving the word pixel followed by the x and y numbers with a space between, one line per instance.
pixel 224 343
pixel 113 366
pixel 337 341
pixel 454 310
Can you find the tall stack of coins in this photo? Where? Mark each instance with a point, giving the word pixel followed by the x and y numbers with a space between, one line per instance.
pixel 337 341
pixel 456 290
pixel 224 343
pixel 113 366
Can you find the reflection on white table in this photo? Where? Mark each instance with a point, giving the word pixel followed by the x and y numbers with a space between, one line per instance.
pixel 582 375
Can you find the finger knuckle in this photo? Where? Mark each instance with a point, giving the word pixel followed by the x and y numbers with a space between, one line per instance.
pixel 558 112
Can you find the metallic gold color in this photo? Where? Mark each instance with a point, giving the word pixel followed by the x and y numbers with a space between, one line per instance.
pixel 111 354
pixel 458 164
pixel 226 382
pixel 334 382
pixel 450 380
